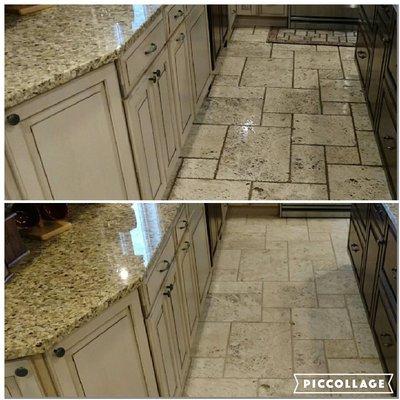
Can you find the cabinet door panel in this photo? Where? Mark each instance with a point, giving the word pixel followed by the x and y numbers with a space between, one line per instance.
pixel 356 249
pixel 272 11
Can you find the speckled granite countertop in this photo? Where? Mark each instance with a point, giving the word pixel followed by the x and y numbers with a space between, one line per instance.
pixel 71 278
pixel 52 47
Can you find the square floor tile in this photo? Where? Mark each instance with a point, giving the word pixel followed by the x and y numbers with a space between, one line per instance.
pixel 259 350
pixel 198 168
pixel 211 339
pixel 323 130
pixel 342 90
pixel 289 294
pixel 227 258
pixel 368 148
pixel 335 282
pixel 287 100
pixel 255 153
pixel 309 356
pixel 306 78
pixel 288 191
pixel 321 323
pixel 342 155
pixel 357 182
pixel 229 111
pixel 308 164
pixel 317 60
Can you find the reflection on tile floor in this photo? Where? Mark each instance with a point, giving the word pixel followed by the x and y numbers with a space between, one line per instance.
pixel 283 299
pixel 282 121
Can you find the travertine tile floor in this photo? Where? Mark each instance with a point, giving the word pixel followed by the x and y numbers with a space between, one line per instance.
pixel 283 299
pixel 282 121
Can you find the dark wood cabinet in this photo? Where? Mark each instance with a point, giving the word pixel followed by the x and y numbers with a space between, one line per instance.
pixel 374 259
pixel 218 26
pixel 376 57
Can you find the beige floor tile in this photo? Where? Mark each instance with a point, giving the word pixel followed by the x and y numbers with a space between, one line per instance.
pixel 228 111
pixel 350 70
pixel 331 300
pixel 319 236
pixel 220 387
pixel 347 53
pixel 354 366
pixel 259 350
pixel 296 221
pixel 237 92
pixel 321 323
pixel 279 388
pixel 365 341
pixel 283 54
pixel 306 78
pixel 356 309
pixel 336 282
pixel 329 225
pixel 264 265
pixel 317 60
pixel 342 90
pixel 205 141
pixel 357 182
pixel 207 368
pixel 330 74
pixel 211 339
pixel 335 108
pixel 198 168
pixel 301 271
pixel 328 48
pixel 255 153
pixel 235 287
pixel 368 148
pixel 295 47
pixel 224 275
pixel 277 120
pixel 320 253
pixel 271 314
pixel 289 294
pixel 205 189
pixel 362 121
pixel 226 80
pixel 230 65
pixel 323 130
pixel 242 241
pixel 244 49
pixel 229 259
pixel 308 164
pixel 309 356
pixel 249 37
pixel 340 348
pixel 342 155
pixel 232 307
pixel 287 100
pixel 234 222
pixel 247 228
pixel 288 191
pixel 287 233
pixel 269 72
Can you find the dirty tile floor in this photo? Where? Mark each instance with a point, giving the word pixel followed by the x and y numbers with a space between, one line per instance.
pixel 283 299
pixel 282 121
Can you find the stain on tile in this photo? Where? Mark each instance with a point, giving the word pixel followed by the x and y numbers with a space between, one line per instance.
pixel 336 282
pixel 288 191
pixel 279 388
pixel 301 271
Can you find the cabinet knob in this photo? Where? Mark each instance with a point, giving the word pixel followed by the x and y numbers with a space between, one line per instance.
pixel 157 73
pixel 21 372
pixel 185 224
pixel 390 147
pixel 394 273
pixel 178 14
pixel 381 241
pixel 167 293
pixel 170 287
pixel 152 49
pixel 181 37
pixel 362 54
pixel 355 247
pixel 13 119
pixel 153 79
pixel 387 137
pixel 59 352
pixel 386 339
pixel 385 39
pixel 186 247
pixel 167 266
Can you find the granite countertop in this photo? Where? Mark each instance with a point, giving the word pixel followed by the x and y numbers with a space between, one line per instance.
pixel 54 46
pixel 71 278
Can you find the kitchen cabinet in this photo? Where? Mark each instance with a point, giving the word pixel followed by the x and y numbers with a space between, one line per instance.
pixel 272 11
pixel 180 67
pixel 62 144
pixel 232 12
pixel 199 51
pixel 108 357
pixel 246 9
pixel 218 28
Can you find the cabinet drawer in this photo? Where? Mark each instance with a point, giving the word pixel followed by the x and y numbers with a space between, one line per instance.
pixel 390 261
pixel 356 248
pixel 182 226
pixel 378 216
pixel 135 62
pixel 359 214
pixel 386 13
pixel 175 16
pixel 160 270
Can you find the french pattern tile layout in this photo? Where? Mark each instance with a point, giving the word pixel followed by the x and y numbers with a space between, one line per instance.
pixel 283 299
pixel 282 122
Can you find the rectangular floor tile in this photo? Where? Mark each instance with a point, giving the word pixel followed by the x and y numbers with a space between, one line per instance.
pixel 335 108
pixel 309 356
pixel 288 191
pixel 236 240
pixel 237 92
pixel 271 314
pixel 350 69
pixel 308 164
pixel 277 120
pixel 336 282
pixel 320 253
pixel 236 287
pixel 368 148
pixel 244 49
pixel 224 275
pixel 330 74
pixel 255 153
pixel 287 233
pixel 342 90
pixel 198 168
pixel 259 351
pixel 321 323
pixel 342 155
pixel 289 294
pixel 207 368
pixel 227 258
pixel 220 387
pixel 365 341
pixel 323 130
pixel 306 78
pixel 356 309
pixel 249 37
pixel 340 348
pixel 354 366
pixel 287 100
pixel 317 60
pixel 331 300
pixel 211 339
pixel 230 65
pixel 226 80
pixel 362 121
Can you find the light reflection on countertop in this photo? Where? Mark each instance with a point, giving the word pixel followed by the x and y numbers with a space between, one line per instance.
pixel 71 278
pixel 49 48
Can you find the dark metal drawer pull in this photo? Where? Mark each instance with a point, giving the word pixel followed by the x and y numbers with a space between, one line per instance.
pixel 59 352
pixel 13 119
pixel 167 266
pixel 394 273
pixel 355 247
pixel 388 336
pixel 185 224
pixel 362 54
pixel 388 137
pixel 21 372
pixel 187 246
pixel 381 241
pixel 390 147
pixel 178 14
pixel 152 49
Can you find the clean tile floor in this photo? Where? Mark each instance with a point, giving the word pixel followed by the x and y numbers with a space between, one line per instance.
pixel 283 299
pixel 282 121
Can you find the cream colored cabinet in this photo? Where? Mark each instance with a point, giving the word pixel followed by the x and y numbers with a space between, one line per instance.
pixel 72 143
pixel 168 337
pixel 180 67
pixel 272 11
pixel 108 357
pixel 197 26
pixel 201 252
pixel 21 380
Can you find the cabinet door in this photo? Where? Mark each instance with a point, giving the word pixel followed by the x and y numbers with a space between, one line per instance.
pixel 180 66
pixel 246 9
pixel 390 260
pixel 199 51
pixel 356 249
pixel 232 11
pixel 20 380
pixel 201 254
pixel 111 360
pixel 362 55
pixel 272 11
pixel 146 140
pixel 72 143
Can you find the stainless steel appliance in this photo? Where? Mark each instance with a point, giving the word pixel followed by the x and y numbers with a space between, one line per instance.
pixel 331 210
